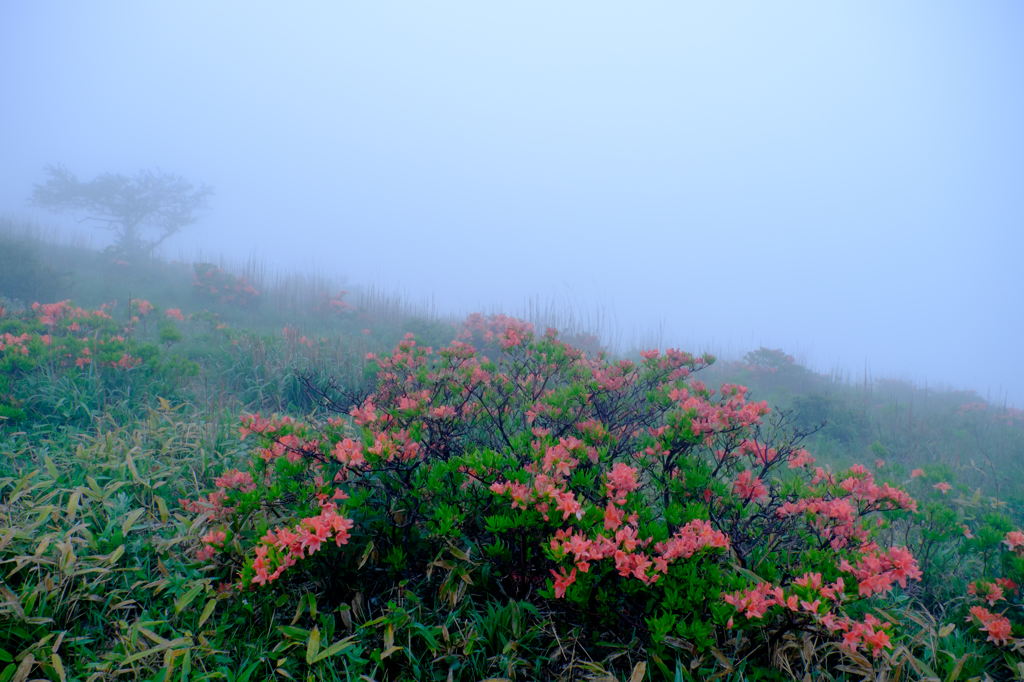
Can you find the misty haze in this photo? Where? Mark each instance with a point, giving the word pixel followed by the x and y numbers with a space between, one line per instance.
pixel 540 341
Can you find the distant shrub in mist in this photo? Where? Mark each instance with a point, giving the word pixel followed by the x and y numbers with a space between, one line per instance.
pixel 24 276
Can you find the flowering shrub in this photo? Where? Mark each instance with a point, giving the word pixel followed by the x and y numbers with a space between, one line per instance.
pixel 1000 592
pixel 629 490
pixel 1000 587
pixel 62 339
pixel 335 304
pixel 1007 415
pixel 294 336
pixel 142 307
pixel 485 333
pixel 61 335
pixel 970 556
pixel 212 282
pixel 139 312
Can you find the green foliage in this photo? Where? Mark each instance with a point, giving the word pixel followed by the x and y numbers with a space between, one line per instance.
pixel 440 576
pixel 11 414
pixel 24 276
pixel 58 360
pixel 169 333
pixel 840 423
pixel 406 488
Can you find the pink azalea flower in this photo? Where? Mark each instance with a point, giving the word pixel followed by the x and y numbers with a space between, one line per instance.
pixel 748 487
pixel 563 581
pixel 1014 540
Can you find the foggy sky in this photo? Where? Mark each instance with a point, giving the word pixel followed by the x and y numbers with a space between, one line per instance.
pixel 840 180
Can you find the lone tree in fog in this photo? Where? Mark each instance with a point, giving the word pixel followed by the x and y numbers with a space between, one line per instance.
pixel 163 202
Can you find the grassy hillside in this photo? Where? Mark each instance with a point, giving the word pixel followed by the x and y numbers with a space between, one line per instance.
pixel 134 517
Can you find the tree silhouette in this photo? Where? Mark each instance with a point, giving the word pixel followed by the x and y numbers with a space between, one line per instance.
pixel 161 201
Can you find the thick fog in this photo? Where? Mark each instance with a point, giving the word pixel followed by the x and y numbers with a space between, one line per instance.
pixel 842 181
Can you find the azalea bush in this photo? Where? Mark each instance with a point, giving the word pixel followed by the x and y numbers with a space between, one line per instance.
pixel 511 506
pixel 991 548
pixel 484 332
pixel 213 283
pixel 970 554
pixel 627 493
pixel 60 346
pixel 995 600
pixel 335 304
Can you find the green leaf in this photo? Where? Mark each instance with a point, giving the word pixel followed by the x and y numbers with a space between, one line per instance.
pixel 247 673
pixel 162 505
pixel 207 611
pixel 747 574
pixel 293 632
pixel 313 645
pixel 130 521
pixel 115 555
pixel 187 598
pixel 51 468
